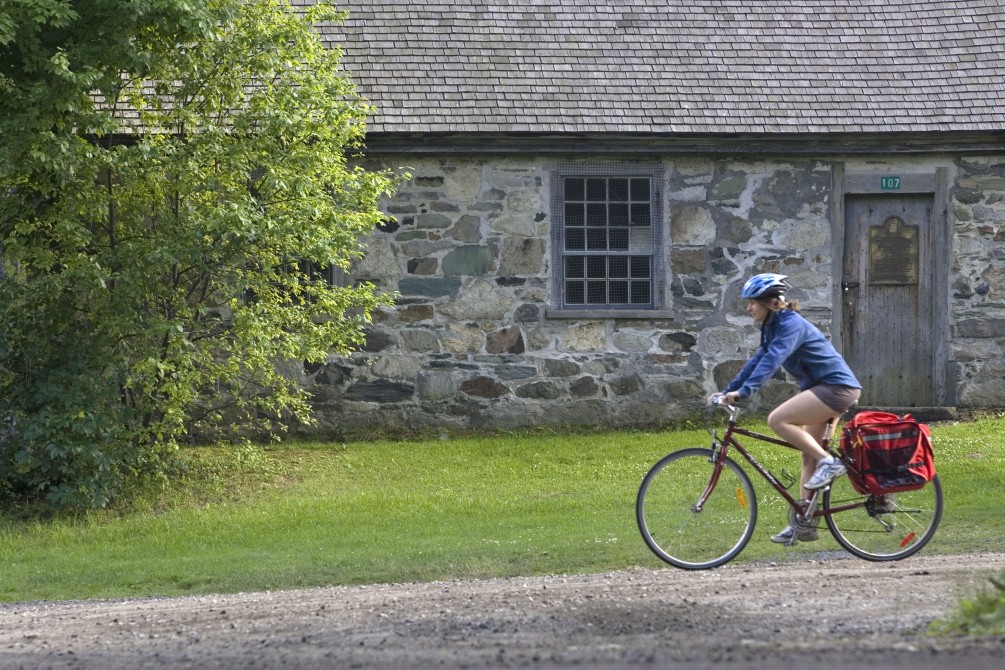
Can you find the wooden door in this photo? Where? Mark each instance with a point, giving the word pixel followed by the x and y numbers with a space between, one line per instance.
pixel 888 314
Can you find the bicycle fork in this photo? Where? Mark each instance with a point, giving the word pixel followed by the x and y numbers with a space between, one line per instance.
pixel 716 459
pixel 713 480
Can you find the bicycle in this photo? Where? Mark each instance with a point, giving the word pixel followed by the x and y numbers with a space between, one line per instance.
pixel 696 508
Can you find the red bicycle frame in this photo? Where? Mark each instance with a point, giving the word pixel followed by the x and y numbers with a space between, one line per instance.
pixel 721 447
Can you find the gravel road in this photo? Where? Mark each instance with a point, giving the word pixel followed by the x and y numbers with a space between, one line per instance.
pixel 826 613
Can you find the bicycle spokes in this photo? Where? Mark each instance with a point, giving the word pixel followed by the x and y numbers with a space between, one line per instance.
pixel 695 514
pixel 883 528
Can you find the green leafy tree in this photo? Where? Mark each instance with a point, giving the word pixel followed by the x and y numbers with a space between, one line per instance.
pixel 174 174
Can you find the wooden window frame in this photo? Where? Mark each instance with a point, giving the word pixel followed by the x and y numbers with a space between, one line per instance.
pixel 582 234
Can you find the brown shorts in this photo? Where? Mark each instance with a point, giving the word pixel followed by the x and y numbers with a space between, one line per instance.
pixel 838 398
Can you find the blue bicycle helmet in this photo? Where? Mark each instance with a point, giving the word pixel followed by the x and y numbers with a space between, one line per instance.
pixel 766 285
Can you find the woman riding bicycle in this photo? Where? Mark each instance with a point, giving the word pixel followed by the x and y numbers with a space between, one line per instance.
pixel 827 386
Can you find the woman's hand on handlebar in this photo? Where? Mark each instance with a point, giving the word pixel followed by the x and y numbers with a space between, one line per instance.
pixel 730 398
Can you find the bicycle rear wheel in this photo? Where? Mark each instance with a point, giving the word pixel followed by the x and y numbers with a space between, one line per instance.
pixel 883 530
pixel 675 531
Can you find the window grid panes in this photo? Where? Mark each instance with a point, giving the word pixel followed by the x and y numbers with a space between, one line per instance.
pixel 607 241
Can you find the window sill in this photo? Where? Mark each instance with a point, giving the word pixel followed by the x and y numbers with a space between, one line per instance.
pixel 635 314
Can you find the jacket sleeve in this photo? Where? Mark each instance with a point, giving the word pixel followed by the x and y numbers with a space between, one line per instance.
pixel 769 358
pixel 745 372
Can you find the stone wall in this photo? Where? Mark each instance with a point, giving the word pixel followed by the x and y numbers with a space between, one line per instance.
pixel 977 283
pixel 470 344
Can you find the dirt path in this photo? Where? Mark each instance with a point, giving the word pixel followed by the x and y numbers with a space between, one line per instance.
pixel 835 612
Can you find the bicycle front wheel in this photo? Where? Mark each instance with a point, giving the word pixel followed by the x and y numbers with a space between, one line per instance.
pixel 680 534
pixel 883 528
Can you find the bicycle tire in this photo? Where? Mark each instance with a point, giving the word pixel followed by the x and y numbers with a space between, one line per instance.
pixel 681 536
pixel 881 535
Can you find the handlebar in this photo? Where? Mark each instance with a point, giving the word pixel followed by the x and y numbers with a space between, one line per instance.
pixel 733 410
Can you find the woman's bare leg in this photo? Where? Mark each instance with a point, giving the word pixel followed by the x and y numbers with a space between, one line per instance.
pixel 809 465
pixel 801 421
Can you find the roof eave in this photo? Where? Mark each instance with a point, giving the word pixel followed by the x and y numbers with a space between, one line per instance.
pixel 638 144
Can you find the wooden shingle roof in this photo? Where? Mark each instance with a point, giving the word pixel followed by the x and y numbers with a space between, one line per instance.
pixel 677 66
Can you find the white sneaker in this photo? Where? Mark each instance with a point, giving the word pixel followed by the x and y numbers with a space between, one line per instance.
pixel 797 530
pixel 788 535
pixel 825 473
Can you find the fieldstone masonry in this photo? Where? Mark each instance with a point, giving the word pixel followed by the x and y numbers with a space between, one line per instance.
pixel 471 345
pixel 977 283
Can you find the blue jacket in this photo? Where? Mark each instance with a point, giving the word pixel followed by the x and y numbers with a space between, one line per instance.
pixel 790 341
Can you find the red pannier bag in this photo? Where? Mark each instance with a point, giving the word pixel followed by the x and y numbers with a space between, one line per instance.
pixel 887 452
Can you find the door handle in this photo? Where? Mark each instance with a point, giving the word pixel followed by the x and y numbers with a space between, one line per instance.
pixel 848 285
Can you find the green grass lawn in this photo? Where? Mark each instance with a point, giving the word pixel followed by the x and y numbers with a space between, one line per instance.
pixel 301 515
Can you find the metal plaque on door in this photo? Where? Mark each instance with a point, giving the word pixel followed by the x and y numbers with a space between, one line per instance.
pixel 893 253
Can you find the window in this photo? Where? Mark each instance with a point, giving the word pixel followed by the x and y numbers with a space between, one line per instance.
pixel 311 274
pixel 330 274
pixel 607 230
pixel 308 273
